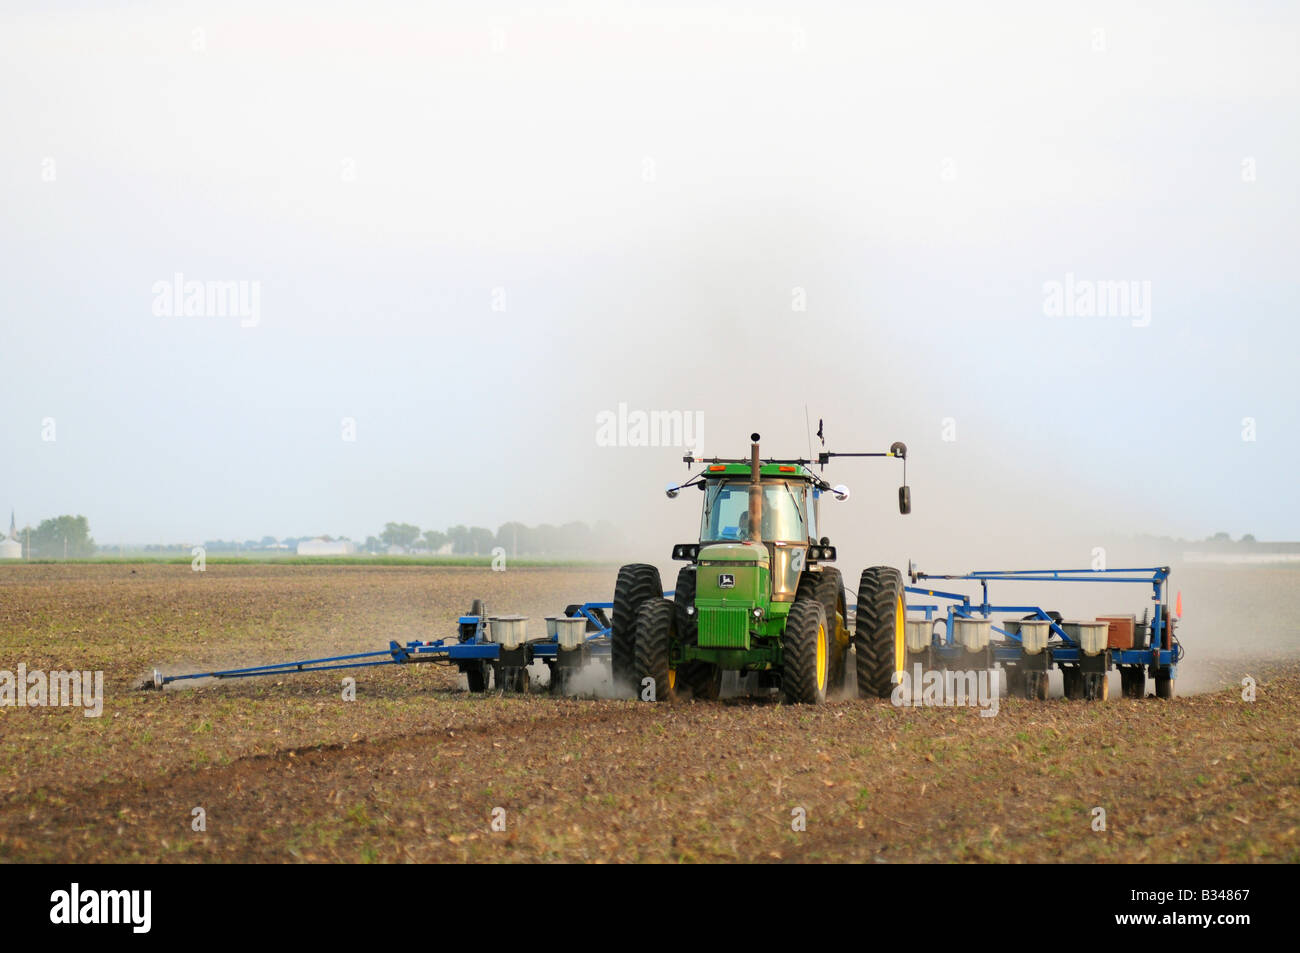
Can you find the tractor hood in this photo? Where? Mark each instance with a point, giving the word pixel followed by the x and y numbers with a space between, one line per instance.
pixel 731 582
pixel 754 554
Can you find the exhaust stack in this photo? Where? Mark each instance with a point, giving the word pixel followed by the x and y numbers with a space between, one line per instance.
pixel 755 492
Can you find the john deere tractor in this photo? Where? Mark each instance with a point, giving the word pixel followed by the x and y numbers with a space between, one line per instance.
pixel 758 593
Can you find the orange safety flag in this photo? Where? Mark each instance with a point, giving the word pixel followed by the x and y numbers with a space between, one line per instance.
pixel 1178 605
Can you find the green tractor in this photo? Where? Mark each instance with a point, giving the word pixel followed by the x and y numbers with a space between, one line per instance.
pixel 758 593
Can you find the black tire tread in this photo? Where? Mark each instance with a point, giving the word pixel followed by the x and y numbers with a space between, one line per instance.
pixel 637 583
pixel 688 626
pixel 799 653
pixel 873 636
pixel 656 625
pixel 827 587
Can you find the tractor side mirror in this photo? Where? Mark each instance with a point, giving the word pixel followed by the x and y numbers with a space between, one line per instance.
pixel 841 492
pixel 672 491
pixel 904 500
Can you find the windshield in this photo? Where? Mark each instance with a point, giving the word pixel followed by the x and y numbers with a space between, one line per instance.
pixel 726 512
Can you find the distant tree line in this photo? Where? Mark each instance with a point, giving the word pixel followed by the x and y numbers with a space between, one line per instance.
pixel 69 537
pixel 266 543
pixel 1222 541
pixel 57 538
pixel 516 539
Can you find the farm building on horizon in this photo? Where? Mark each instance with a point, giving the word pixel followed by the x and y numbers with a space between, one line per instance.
pixel 326 547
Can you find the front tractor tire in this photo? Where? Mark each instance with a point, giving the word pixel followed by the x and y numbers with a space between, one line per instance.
pixel 656 629
pixel 879 631
pixel 806 650
pixel 638 583
pixel 827 588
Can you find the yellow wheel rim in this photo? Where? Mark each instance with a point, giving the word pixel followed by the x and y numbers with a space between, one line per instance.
pixel 821 657
pixel 900 615
pixel 672 679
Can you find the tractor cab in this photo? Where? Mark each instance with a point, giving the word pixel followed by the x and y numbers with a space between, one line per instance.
pixel 787 524
pixel 789 509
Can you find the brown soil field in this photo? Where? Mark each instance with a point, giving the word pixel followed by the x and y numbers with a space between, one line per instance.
pixel 416 769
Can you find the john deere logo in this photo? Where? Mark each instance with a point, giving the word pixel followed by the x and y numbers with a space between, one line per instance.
pixel 726 580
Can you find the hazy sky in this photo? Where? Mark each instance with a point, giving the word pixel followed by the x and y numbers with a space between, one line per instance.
pixel 475 227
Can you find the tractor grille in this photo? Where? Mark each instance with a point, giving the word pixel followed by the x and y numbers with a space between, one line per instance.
pixel 724 628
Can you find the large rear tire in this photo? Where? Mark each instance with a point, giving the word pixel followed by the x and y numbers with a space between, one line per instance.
pixel 656 628
pixel 878 631
pixel 637 584
pixel 683 599
pixel 805 647
pixel 704 679
pixel 827 588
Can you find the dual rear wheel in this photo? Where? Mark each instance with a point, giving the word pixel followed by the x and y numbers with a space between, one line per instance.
pixel 637 585
pixel 878 637
pixel 814 658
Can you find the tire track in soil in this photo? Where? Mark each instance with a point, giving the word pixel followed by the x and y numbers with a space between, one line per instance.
pixel 158 807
